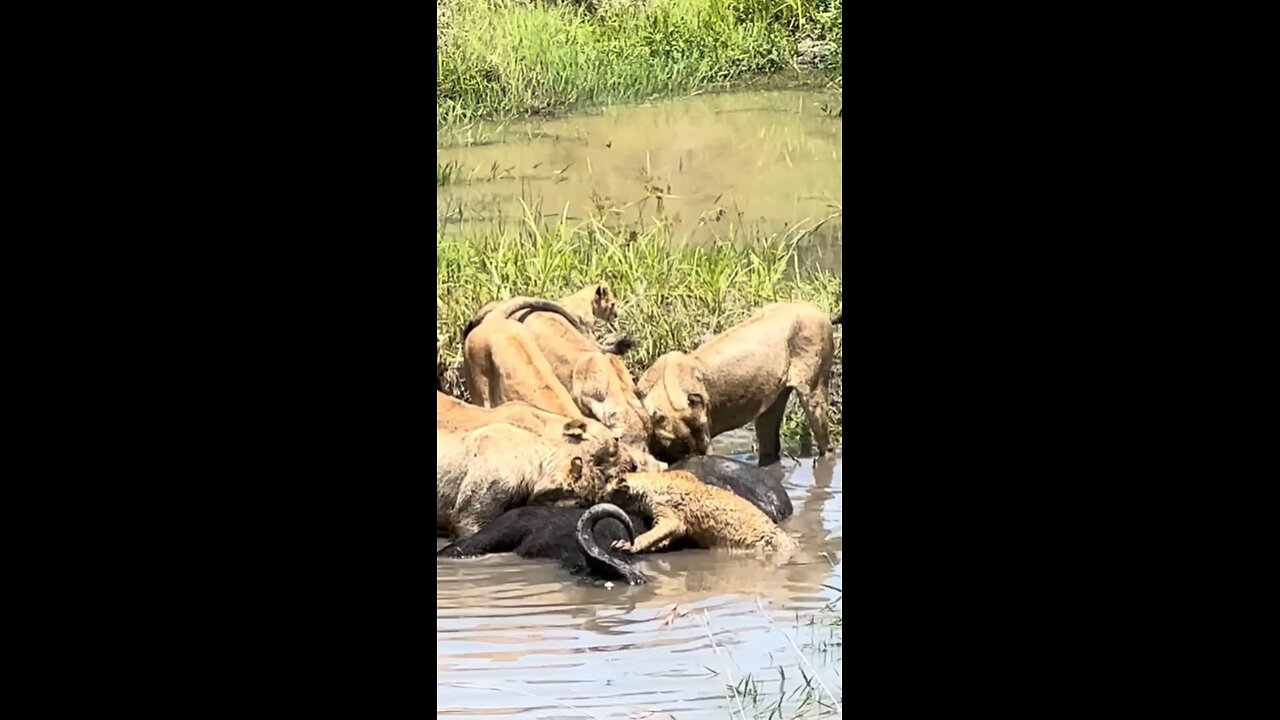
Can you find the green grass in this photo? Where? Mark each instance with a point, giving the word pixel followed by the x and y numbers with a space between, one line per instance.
pixel 818 640
pixel 507 58
pixel 447 173
pixel 669 293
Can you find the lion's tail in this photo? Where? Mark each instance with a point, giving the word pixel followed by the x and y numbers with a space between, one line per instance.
pixel 511 307
pixel 621 346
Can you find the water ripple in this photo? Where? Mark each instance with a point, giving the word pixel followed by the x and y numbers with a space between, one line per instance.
pixel 520 638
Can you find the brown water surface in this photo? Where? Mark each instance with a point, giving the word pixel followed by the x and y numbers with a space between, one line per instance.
pixel 710 165
pixel 519 638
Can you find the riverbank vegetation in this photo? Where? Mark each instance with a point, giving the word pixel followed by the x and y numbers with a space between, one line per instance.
pixel 506 58
pixel 817 641
pixel 669 294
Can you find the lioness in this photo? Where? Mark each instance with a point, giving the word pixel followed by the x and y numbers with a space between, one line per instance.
pixel 745 373
pixel 453 415
pixel 682 506
pixel 482 473
pixel 601 386
pixel 501 361
pixel 598 383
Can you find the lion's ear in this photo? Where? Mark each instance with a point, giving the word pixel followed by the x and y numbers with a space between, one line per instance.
pixel 575 429
pixel 602 291
pixel 658 418
pixel 696 400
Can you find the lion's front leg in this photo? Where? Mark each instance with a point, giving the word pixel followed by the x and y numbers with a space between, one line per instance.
pixel 666 527
pixel 815 410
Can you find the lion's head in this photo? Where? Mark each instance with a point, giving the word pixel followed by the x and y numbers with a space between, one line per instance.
pixel 604 306
pixel 676 400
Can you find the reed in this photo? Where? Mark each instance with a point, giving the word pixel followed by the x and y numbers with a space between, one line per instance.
pixel 508 58
pixel 670 292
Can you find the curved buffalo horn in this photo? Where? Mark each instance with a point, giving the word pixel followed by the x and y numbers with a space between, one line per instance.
pixel 599 560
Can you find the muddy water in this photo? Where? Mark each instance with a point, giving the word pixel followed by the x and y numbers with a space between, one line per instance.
pixel 518 638
pixel 768 161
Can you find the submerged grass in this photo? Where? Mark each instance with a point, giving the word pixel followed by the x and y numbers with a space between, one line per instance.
pixel 800 694
pixel 447 173
pixel 669 294
pixel 505 58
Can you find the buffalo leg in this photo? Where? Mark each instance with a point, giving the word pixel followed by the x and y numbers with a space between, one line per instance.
pixel 492 538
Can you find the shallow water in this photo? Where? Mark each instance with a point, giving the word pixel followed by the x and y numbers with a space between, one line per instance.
pixel 519 638
pixel 762 160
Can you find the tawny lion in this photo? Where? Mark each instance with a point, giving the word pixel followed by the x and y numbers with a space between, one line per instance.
pixel 453 415
pixel 682 506
pixel 502 362
pixel 484 472
pixel 598 383
pixel 743 374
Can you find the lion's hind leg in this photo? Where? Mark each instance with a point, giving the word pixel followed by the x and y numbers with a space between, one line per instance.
pixel 811 379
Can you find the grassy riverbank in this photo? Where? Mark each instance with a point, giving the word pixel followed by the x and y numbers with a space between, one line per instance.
pixel 669 295
pixel 506 58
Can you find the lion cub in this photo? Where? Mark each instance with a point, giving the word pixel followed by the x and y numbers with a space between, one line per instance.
pixel 682 506
pixel 592 303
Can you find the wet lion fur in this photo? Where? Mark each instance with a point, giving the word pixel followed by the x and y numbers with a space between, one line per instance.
pixel 683 507
pixel 454 415
pixel 482 473
pixel 757 485
pixel 744 374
